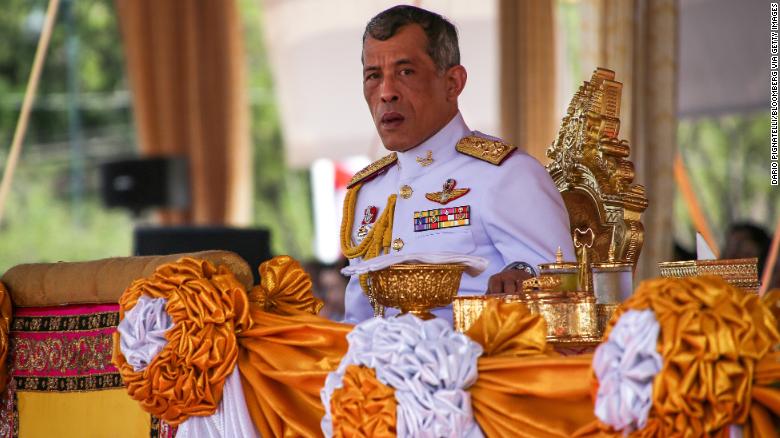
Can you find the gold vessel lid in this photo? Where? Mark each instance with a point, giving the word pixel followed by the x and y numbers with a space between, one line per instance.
pixel 558 265
pixel 612 265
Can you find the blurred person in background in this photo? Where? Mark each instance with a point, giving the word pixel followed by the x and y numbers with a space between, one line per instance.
pixel 746 240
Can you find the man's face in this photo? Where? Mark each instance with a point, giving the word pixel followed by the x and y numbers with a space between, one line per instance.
pixel 408 98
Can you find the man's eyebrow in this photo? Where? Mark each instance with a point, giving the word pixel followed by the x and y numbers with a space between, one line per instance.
pixel 403 61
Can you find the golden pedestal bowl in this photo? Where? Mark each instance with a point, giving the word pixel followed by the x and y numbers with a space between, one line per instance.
pixel 416 288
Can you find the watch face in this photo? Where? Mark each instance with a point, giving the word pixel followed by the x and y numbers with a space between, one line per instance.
pixel 522 266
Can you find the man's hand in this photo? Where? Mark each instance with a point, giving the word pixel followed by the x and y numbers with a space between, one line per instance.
pixel 507 282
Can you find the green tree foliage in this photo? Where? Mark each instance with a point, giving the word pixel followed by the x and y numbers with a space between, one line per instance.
pixel 45 220
pixel 282 195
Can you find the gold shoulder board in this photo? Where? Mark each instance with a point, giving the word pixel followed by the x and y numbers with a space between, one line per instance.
pixel 492 151
pixel 373 169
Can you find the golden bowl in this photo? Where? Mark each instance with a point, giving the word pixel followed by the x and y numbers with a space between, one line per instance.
pixel 416 288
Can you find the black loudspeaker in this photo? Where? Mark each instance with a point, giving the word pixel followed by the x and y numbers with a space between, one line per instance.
pixel 252 244
pixel 142 183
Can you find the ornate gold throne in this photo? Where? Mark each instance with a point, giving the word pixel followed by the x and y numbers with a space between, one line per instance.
pixel 591 169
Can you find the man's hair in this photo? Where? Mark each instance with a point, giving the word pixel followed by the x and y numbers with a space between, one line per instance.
pixel 442 35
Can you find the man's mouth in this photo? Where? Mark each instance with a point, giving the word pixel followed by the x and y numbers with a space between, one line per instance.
pixel 391 120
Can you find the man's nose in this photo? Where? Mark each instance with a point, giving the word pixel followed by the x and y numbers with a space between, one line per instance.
pixel 389 92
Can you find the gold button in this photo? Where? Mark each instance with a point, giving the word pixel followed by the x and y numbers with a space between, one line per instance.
pixel 398 244
pixel 406 192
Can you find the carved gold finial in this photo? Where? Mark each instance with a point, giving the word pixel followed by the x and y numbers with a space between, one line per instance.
pixel 590 166
pixel 611 255
pixel 559 256
pixel 584 275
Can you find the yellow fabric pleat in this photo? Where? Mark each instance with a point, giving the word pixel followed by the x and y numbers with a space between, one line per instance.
pixel 284 361
pixel 97 414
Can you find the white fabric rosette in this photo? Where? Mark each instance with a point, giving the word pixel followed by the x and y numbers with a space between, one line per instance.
pixel 142 336
pixel 142 331
pixel 429 365
pixel 625 366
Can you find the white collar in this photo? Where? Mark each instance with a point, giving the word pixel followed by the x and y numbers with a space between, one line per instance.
pixel 441 145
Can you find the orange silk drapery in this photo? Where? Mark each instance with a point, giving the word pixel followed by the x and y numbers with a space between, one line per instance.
pixel 284 361
pixel 364 406
pixel 208 305
pixel 523 388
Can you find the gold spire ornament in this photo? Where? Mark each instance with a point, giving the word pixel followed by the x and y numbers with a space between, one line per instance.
pixel 591 169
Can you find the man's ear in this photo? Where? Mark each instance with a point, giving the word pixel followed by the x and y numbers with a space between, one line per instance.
pixel 456 81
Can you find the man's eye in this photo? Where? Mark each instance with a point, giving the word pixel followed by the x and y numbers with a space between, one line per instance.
pixel 371 76
pixel 407 72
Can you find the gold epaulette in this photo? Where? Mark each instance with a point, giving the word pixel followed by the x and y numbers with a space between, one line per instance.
pixel 492 151
pixel 373 169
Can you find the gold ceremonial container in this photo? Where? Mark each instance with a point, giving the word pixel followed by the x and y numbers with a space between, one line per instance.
pixel 416 288
pixel 573 319
pixel 467 309
pixel 742 273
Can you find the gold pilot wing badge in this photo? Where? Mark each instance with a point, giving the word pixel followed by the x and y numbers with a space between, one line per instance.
pixel 448 193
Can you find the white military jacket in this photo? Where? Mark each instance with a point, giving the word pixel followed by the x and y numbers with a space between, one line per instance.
pixel 506 212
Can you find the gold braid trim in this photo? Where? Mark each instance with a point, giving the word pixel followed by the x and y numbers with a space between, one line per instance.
pixel 376 242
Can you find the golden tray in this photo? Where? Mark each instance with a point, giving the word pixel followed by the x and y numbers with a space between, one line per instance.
pixel 742 273
pixel 416 288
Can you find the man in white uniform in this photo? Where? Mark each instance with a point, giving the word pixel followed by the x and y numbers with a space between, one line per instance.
pixel 444 187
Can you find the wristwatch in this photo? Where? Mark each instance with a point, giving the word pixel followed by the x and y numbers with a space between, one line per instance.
pixel 521 266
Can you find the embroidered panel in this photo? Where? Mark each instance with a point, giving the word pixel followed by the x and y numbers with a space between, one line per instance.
pixel 64 348
pixel 9 412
